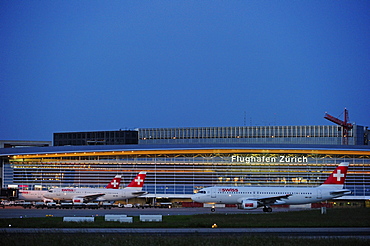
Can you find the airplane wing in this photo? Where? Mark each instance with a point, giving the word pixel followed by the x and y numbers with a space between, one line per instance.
pixel 270 200
pixel 91 197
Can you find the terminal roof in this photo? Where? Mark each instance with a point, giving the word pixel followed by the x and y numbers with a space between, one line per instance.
pixel 159 147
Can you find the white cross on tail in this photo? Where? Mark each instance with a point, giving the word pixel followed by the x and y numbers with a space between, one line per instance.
pixel 114 183
pixel 338 175
pixel 138 180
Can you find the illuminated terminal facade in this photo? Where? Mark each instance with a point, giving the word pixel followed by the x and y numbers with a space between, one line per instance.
pixel 180 161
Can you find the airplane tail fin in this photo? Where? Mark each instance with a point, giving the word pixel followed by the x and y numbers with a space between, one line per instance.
pixel 138 181
pixel 338 176
pixel 114 184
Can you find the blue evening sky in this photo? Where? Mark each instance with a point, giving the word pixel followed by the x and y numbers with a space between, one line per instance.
pixel 106 65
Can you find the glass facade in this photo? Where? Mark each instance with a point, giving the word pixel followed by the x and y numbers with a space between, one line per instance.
pixel 96 138
pixel 252 134
pixel 184 170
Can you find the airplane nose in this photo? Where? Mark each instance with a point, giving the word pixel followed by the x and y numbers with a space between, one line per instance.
pixel 195 198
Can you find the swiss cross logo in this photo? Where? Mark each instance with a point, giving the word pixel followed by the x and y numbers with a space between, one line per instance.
pixel 338 175
pixel 114 183
pixel 138 180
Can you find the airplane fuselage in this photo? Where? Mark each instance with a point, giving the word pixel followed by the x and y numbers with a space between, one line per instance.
pixel 32 195
pixel 66 194
pixel 234 195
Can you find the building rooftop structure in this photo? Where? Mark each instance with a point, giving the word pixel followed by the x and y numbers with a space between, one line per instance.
pixel 320 135
pixel 96 138
pixel 23 143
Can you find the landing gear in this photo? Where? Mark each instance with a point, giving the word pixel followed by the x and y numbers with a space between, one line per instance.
pixel 267 209
pixel 213 209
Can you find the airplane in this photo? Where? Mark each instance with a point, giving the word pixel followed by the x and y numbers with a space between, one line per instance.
pixel 38 195
pixel 255 197
pixel 84 195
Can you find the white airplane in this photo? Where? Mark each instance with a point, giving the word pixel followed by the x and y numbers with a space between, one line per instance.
pixel 38 195
pixel 255 197
pixel 79 195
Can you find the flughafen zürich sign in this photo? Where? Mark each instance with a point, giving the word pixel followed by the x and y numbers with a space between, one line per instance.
pixel 269 159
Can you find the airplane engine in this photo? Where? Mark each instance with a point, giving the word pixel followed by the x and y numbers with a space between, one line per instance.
pixel 248 204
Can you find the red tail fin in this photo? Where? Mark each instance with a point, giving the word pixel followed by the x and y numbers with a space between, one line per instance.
pixel 114 184
pixel 338 176
pixel 138 181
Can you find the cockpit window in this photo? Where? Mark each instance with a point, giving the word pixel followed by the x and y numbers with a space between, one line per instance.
pixel 202 192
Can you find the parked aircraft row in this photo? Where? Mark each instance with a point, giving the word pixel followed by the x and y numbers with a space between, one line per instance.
pixel 84 195
pixel 245 197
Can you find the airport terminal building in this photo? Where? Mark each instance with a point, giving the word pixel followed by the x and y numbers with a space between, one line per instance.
pixel 180 161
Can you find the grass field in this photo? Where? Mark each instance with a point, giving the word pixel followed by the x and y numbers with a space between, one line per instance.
pixel 351 217
pixel 193 240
